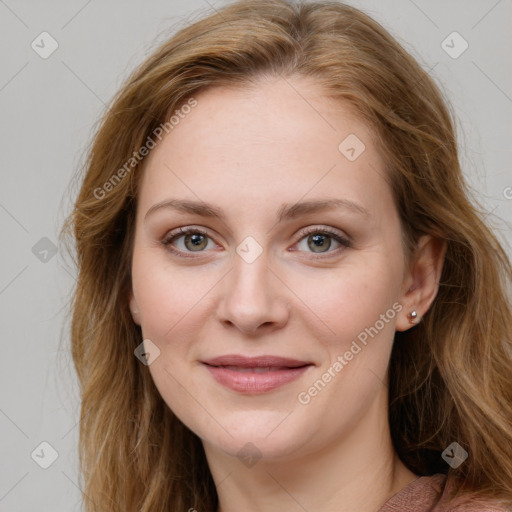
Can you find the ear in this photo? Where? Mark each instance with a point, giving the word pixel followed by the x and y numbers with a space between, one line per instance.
pixel 421 282
pixel 134 308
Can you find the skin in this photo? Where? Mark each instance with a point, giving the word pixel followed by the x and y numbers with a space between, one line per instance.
pixel 247 150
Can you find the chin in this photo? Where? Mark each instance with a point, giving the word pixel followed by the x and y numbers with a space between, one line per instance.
pixel 258 435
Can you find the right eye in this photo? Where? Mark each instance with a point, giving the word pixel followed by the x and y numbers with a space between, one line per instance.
pixel 194 240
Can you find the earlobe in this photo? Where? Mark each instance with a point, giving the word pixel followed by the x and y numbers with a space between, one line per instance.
pixel 134 309
pixel 414 318
pixel 422 281
pixel 408 319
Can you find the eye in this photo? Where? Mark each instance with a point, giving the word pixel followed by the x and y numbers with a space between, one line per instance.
pixel 194 240
pixel 319 240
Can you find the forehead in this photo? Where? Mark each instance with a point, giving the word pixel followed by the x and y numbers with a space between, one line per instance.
pixel 273 141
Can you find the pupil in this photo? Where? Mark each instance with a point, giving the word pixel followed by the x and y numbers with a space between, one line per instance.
pixel 318 242
pixel 196 239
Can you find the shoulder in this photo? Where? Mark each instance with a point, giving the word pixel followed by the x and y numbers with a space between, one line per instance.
pixel 469 502
pixel 430 494
pixel 420 495
pixel 477 504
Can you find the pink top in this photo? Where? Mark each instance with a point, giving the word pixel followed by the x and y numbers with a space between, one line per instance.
pixel 426 494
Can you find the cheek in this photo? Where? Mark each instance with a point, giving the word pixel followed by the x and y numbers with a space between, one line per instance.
pixel 359 304
pixel 347 299
pixel 166 294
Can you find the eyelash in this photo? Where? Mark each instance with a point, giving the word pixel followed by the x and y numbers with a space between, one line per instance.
pixel 345 242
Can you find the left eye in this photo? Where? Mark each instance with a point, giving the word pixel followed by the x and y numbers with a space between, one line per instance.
pixel 319 241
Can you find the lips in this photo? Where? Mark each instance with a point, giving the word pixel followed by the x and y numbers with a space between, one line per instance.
pixel 255 369
pixel 265 361
pixel 253 375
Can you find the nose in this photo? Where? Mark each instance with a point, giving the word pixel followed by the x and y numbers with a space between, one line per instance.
pixel 254 298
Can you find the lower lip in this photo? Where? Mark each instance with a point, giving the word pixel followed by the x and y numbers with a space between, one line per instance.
pixel 252 382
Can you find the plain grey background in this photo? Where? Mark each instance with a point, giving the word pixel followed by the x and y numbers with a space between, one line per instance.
pixel 48 110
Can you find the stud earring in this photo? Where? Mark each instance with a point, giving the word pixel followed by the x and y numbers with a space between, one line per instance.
pixel 413 317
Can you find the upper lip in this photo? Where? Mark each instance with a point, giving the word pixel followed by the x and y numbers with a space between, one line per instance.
pixel 255 362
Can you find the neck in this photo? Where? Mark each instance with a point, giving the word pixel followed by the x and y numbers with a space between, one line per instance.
pixel 359 472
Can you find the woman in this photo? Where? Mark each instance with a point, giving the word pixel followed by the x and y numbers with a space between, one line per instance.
pixel 286 299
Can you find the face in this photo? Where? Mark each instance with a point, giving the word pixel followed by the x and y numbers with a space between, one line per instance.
pixel 271 274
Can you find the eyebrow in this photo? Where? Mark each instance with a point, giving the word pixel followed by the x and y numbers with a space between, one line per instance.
pixel 285 212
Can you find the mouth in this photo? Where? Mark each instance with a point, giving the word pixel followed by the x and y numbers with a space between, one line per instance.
pixel 257 369
pixel 263 361
pixel 254 375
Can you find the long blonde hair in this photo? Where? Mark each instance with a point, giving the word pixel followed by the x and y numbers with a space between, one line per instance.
pixel 450 376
